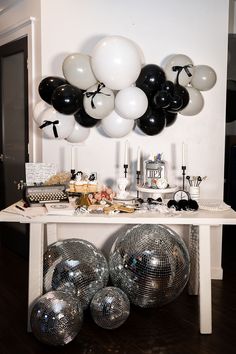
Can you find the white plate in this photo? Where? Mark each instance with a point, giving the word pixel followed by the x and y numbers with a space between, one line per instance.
pixel 215 205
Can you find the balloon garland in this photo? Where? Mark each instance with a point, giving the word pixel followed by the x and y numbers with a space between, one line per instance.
pixel 115 88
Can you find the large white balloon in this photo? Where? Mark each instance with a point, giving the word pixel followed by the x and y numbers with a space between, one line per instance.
pixel 77 70
pixel 98 101
pixel 115 126
pixel 131 103
pixel 39 108
pixel 182 61
pixel 116 61
pixel 204 77
pixel 195 104
pixel 54 123
pixel 79 134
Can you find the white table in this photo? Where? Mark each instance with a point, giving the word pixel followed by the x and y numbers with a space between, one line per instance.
pixel 204 219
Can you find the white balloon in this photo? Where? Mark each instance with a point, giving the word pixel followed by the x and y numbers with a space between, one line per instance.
pixel 100 104
pixel 79 134
pixel 63 123
pixel 179 60
pixel 116 61
pixel 131 103
pixel 77 70
pixel 204 77
pixel 141 54
pixel 39 108
pixel 115 126
pixel 195 104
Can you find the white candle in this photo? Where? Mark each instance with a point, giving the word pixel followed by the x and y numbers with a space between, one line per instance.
pixel 138 159
pixel 126 153
pixel 72 158
pixel 183 154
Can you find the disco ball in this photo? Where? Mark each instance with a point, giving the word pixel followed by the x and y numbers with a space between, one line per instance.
pixel 150 263
pixel 56 318
pixel 110 307
pixel 75 266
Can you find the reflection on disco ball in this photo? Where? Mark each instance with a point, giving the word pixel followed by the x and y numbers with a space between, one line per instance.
pixel 150 263
pixel 110 307
pixel 56 318
pixel 75 266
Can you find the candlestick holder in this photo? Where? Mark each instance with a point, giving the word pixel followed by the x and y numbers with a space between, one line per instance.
pixel 122 184
pixel 125 169
pixel 183 174
pixel 138 173
pixel 73 174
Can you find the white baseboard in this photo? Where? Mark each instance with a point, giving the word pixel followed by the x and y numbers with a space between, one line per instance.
pixel 217 273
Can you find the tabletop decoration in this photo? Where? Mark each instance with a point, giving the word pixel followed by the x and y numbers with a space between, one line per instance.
pixel 115 86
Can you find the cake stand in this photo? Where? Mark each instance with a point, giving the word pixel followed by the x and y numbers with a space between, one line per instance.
pixel 157 193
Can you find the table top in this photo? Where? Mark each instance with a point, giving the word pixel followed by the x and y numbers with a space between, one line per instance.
pixel 200 217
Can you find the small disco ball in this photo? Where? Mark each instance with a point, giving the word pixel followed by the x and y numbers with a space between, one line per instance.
pixel 110 307
pixel 150 263
pixel 75 266
pixel 56 318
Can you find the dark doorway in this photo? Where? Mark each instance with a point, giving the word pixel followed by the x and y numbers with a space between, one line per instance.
pixel 13 136
pixel 229 231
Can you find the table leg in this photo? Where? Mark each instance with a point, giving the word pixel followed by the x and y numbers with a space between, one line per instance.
pixel 205 305
pixel 35 287
pixel 193 284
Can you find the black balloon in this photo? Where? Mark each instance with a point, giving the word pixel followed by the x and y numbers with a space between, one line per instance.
pixel 161 100
pixel 183 93
pixel 84 119
pixel 168 86
pixel 67 99
pixel 150 79
pixel 176 103
pixel 48 85
pixel 152 122
pixel 170 118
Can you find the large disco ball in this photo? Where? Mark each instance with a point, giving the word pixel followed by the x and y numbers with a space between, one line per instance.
pixel 150 263
pixel 75 266
pixel 110 307
pixel 56 318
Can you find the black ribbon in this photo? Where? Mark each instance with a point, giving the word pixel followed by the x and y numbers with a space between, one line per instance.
pixel 94 93
pixel 47 123
pixel 179 68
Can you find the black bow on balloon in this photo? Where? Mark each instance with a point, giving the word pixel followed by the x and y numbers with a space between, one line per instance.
pixel 94 93
pixel 47 123
pixel 179 68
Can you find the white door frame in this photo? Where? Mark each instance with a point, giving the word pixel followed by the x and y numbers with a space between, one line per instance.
pixel 12 33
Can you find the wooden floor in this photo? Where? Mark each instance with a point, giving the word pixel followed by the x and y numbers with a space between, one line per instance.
pixel 168 330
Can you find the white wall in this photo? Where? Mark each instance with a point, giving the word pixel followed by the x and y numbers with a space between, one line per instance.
pixel 198 29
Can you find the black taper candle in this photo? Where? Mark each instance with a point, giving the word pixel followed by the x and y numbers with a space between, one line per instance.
pixel 126 168
pixel 183 174
pixel 138 173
